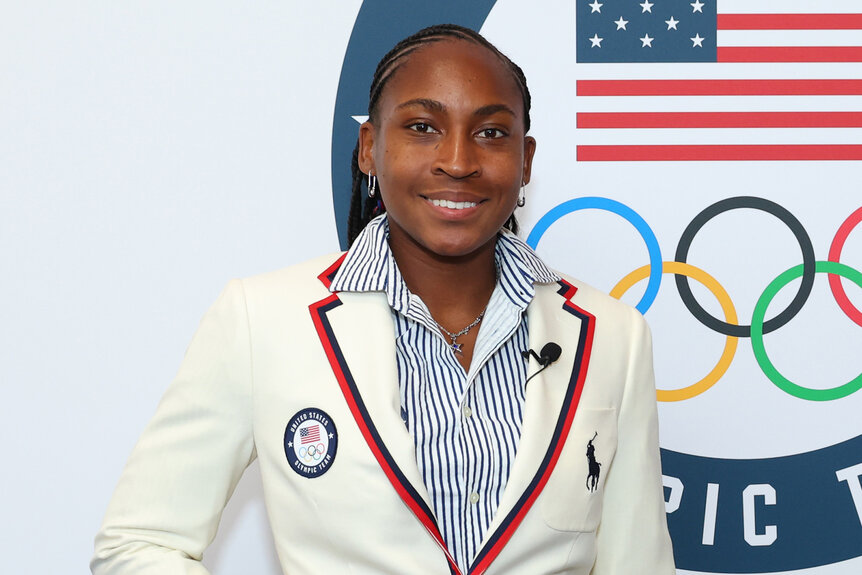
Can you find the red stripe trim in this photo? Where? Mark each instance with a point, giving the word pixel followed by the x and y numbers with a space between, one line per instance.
pixel 789 54
pixel 326 275
pixel 569 293
pixel 790 21
pixel 515 521
pixel 590 120
pixel 719 87
pixel 317 311
pixel 718 153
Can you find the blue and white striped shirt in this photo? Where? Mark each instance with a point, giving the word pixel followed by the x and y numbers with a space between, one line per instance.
pixel 465 425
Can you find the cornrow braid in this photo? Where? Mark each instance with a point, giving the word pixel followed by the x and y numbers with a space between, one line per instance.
pixel 364 209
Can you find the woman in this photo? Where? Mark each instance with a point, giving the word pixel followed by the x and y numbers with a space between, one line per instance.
pixel 389 392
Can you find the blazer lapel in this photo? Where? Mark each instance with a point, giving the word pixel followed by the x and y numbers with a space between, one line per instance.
pixel 357 333
pixel 551 401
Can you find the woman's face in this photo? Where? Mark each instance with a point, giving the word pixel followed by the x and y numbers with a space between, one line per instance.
pixel 448 148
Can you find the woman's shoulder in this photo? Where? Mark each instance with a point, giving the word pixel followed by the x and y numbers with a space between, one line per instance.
pixel 597 302
pixel 310 278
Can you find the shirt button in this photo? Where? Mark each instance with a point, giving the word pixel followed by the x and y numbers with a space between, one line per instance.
pixel 467 411
pixel 474 497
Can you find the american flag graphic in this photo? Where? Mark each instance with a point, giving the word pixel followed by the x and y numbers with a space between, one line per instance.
pixel 719 80
pixel 310 434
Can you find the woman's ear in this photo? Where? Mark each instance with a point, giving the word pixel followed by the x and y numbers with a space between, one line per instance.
pixel 529 150
pixel 366 148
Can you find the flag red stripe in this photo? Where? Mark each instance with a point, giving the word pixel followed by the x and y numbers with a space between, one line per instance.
pixel 718 153
pixel 790 21
pixel 789 54
pixel 595 120
pixel 719 87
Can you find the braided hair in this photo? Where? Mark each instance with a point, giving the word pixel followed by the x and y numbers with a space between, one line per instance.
pixel 363 208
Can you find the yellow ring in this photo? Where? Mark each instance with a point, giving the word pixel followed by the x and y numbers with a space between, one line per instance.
pixel 724 300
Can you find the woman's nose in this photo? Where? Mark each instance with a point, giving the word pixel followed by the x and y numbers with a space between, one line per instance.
pixel 457 156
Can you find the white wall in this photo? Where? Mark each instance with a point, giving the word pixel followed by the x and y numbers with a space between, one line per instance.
pixel 149 152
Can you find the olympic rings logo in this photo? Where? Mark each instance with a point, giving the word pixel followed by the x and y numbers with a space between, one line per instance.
pixel 312 453
pixel 730 326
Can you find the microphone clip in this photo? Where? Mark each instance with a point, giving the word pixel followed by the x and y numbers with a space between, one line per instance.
pixel 550 353
pixel 543 361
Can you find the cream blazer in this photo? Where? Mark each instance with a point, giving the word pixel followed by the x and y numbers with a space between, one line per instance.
pixel 276 344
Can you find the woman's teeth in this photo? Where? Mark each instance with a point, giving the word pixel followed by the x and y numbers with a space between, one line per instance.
pixel 453 205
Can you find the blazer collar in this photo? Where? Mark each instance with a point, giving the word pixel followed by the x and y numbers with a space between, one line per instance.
pixel 370 266
pixel 551 403
pixel 351 327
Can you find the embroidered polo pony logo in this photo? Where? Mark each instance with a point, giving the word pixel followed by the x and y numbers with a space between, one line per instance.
pixel 594 466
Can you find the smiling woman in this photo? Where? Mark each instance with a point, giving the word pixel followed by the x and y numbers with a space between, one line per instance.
pixel 447 143
pixel 394 377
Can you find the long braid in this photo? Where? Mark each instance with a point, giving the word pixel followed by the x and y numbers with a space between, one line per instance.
pixel 362 208
pixel 354 217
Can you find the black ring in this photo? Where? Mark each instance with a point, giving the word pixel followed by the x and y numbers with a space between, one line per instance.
pixel 808 262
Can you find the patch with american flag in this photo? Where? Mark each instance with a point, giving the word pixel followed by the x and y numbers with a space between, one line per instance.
pixel 310 442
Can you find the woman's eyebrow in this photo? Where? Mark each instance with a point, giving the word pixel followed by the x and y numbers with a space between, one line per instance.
pixel 492 109
pixel 436 106
pixel 424 103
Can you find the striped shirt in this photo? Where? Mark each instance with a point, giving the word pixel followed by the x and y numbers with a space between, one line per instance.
pixel 465 425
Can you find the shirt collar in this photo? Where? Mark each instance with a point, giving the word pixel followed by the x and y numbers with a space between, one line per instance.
pixel 370 266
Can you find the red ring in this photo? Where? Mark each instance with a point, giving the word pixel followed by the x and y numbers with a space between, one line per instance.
pixel 834 256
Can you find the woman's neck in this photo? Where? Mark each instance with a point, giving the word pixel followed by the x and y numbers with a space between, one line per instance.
pixel 454 288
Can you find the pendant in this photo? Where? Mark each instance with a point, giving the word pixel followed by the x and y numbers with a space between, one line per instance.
pixel 456 347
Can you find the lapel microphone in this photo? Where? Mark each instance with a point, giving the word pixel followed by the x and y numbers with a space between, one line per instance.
pixel 550 353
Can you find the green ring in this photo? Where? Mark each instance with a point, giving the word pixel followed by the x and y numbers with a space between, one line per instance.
pixel 759 314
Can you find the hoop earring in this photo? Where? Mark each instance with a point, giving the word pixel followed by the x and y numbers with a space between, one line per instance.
pixel 522 197
pixel 372 185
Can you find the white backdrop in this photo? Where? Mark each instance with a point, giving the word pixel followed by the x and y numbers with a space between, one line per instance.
pixel 151 151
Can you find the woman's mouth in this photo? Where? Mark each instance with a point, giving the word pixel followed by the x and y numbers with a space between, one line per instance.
pixel 452 205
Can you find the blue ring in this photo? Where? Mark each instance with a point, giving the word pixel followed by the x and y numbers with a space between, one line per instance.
pixel 613 206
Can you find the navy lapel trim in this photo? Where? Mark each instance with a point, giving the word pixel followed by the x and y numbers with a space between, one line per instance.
pixel 508 526
pixel 357 407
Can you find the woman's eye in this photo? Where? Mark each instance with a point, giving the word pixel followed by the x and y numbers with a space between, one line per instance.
pixel 492 133
pixel 422 128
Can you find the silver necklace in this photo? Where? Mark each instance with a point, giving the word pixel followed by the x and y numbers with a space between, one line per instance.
pixel 455 346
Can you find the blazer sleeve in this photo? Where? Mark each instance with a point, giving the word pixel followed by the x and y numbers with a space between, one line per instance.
pixel 632 536
pixel 167 505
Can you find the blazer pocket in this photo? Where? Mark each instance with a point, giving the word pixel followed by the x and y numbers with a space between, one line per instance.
pixel 572 498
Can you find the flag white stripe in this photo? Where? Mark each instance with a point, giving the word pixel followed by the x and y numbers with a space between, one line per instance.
pixel 716 136
pixel 790 37
pixel 788 6
pixel 720 104
pixel 712 70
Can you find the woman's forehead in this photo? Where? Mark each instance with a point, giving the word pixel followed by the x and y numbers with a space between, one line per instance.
pixel 452 67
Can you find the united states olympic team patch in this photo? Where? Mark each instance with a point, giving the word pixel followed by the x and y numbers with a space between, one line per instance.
pixel 310 442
